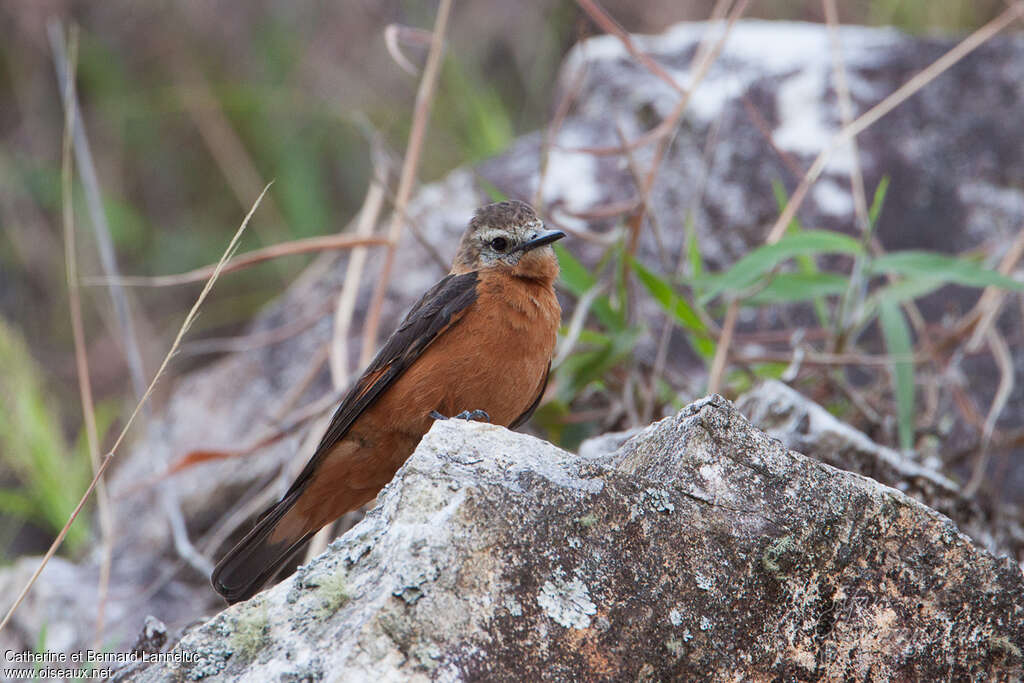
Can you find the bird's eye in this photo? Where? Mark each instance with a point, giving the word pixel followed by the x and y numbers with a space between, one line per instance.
pixel 499 244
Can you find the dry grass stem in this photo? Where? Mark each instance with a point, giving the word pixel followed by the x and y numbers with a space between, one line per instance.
pixel 421 117
pixel 346 305
pixel 612 27
pixel 251 258
pixel 224 144
pixel 97 216
pixel 189 319
pixel 860 204
pixel 1004 360
pixel 78 334
pixel 722 348
pixel 670 122
pixel 990 303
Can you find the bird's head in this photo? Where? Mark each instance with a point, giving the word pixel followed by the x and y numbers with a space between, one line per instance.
pixel 510 236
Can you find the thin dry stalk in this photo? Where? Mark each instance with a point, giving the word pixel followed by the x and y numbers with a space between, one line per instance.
pixel 561 112
pixel 78 334
pixel 189 319
pixel 1001 353
pixel 661 355
pixel 346 305
pixel 610 26
pixel 860 203
pixel 296 391
pixel 722 348
pixel 256 340
pixel 991 301
pixel 97 216
pixel 421 116
pixel 669 123
pixel 250 258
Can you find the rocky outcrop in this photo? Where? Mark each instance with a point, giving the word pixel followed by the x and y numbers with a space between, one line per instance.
pixel 701 550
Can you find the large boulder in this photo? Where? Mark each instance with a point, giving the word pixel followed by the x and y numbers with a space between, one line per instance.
pixel 701 549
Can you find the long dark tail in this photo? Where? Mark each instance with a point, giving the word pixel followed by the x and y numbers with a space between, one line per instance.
pixel 259 556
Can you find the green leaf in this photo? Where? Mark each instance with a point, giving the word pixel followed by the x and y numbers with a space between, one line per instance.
pixel 781 200
pixel 583 368
pixel 578 280
pixel 793 287
pixel 692 249
pixel 898 344
pixel 876 203
pixel 677 307
pixel 748 269
pixel 574 275
pixel 898 292
pixel 940 267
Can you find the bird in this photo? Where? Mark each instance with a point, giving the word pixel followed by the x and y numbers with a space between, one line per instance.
pixel 478 344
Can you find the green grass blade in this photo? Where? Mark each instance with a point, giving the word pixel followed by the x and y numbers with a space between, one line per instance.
pixel 898 344
pixel 692 249
pixel 944 269
pixel 748 269
pixel 578 280
pixel 795 287
pixel 878 201
pixel 677 307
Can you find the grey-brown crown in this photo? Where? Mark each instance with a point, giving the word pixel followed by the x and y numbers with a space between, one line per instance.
pixel 509 214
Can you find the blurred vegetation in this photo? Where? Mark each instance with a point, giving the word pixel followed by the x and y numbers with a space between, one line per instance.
pixel 41 475
pixel 191 108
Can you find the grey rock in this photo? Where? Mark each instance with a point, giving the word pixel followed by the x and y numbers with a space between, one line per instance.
pixel 705 551
pixel 804 426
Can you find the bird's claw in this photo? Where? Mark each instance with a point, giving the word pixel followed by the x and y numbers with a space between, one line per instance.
pixel 479 415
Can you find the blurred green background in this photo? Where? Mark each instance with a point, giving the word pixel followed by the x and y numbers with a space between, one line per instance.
pixel 190 107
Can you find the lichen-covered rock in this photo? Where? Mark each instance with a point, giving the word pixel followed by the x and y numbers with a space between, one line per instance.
pixel 702 550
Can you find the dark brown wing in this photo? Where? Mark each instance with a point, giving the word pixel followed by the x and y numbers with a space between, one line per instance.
pixel 536 402
pixel 439 308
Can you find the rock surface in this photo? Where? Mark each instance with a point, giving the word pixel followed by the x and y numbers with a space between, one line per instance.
pixel 804 426
pixel 702 549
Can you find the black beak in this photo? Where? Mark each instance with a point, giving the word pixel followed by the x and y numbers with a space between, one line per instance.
pixel 546 237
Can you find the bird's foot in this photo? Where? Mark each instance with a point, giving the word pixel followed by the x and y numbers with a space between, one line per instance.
pixel 478 415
